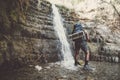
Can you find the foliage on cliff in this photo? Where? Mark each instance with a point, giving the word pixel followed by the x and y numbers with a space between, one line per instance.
pixel 11 12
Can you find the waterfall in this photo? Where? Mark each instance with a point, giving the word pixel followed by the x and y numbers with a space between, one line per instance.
pixel 68 59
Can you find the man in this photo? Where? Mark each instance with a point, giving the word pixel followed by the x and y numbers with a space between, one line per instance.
pixel 81 43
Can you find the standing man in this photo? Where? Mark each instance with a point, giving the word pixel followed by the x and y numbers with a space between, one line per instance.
pixel 81 43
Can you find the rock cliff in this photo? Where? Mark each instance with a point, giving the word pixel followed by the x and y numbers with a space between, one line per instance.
pixel 26 34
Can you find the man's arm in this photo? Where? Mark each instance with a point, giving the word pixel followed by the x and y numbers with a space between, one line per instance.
pixel 87 36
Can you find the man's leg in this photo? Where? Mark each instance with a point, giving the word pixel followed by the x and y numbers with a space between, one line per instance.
pixel 76 55
pixel 87 56
pixel 77 48
pixel 76 58
pixel 85 48
pixel 86 65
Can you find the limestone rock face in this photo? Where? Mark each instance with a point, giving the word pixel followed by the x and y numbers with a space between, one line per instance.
pixel 31 39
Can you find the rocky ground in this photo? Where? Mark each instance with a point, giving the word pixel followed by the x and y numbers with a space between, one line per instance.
pixel 53 71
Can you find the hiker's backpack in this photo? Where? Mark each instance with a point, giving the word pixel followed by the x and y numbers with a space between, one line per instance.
pixel 78 28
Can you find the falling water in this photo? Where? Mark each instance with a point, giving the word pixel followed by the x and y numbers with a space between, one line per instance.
pixel 61 33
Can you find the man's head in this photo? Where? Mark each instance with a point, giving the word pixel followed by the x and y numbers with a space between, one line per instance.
pixel 78 24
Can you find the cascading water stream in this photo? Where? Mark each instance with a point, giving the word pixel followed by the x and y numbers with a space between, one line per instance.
pixel 61 33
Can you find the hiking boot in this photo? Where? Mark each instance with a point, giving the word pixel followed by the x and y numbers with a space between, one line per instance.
pixel 77 63
pixel 87 67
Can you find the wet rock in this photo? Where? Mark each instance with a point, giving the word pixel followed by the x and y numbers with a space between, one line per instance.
pixel 38 67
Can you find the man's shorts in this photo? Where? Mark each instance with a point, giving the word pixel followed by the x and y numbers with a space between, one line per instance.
pixel 82 45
